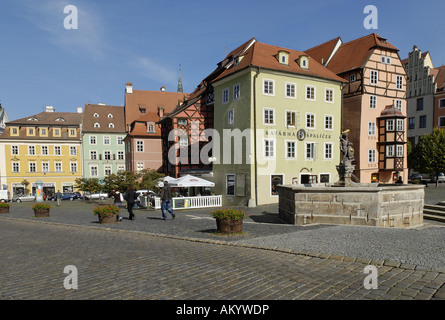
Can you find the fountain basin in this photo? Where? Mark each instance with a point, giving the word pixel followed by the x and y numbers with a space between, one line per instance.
pixel 393 206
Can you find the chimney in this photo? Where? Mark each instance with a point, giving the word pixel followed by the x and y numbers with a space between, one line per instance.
pixel 161 112
pixel 129 88
pixel 49 109
pixel 79 110
pixel 163 89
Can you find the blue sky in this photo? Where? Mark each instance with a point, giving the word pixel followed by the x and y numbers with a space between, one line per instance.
pixel 144 42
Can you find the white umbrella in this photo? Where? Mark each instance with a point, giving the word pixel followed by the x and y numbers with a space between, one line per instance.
pixel 191 181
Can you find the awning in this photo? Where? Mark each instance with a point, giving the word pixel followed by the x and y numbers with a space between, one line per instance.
pixel 190 181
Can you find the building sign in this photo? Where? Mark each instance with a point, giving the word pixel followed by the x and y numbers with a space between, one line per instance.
pixel 300 134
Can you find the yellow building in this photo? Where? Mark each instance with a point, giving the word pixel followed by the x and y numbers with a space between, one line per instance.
pixel 45 147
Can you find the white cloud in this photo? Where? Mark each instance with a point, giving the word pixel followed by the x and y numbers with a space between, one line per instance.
pixel 155 71
pixel 49 16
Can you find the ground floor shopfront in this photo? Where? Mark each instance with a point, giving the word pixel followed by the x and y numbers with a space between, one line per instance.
pixel 50 185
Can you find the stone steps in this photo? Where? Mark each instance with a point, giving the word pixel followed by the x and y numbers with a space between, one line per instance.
pixel 434 212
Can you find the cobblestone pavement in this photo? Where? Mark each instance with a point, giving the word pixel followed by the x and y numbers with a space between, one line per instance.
pixel 129 265
pixel 185 259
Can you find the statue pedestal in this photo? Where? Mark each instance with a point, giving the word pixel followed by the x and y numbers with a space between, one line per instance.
pixel 345 175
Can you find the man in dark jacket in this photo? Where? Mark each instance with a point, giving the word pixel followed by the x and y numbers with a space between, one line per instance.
pixel 166 198
pixel 130 197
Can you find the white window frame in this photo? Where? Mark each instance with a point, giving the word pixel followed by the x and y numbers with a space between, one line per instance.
pixel 120 140
pixel 107 140
pixel 57 150
pixel 94 173
pixel 440 102
pixel 399 82
pixel 120 155
pixel 386 60
pixel 45 170
pixel 140 166
pixel 286 148
pixel 44 150
pixel 390 125
pixel 230 117
pixel 400 150
pixel 372 102
pixel 313 150
pixel 225 95
pixel 331 95
pixel 93 140
pixel 325 149
pixel 293 115
pixel 269 148
pixel 15 150
pixel 373 77
pixel 139 146
pixel 310 114
pixel 15 165
pixel 326 117
pixel 31 150
pixel 108 168
pixel 314 93
pixel 32 166
pixel 234 184
pixel 107 153
pixel 269 111
pixel 271 87
pixel 58 167
pixel 372 128
pixel 236 91
pixel 73 151
pixel 372 155
pixel 93 152
pixel 293 89
pixel 73 165
pixel 390 151
pixel 399 105
pixel 400 125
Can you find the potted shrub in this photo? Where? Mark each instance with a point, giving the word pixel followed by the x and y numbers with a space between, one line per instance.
pixel 41 210
pixel 4 207
pixel 106 213
pixel 229 220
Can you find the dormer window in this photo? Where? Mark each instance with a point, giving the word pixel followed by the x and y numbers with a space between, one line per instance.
pixel 283 57
pixel 303 62
pixel 110 116
pixel 33 119
pixel 143 110
pixel 96 115
pixel 97 125
pixel 60 119
pixel 111 125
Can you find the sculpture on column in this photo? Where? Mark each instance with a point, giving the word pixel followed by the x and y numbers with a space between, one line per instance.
pixel 345 168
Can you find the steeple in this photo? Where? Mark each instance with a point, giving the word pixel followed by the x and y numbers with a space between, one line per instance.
pixel 180 80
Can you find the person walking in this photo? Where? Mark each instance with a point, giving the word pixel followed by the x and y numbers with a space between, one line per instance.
pixel 59 198
pixel 166 197
pixel 130 197
pixel 116 195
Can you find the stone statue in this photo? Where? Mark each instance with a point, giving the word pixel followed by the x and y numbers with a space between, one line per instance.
pixel 347 152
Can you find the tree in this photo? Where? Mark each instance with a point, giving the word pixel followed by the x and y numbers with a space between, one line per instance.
pixel 121 181
pixel 150 179
pixel 428 156
pixel 92 185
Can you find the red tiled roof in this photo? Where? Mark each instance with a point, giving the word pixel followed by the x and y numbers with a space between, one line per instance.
pixel 440 78
pixel 322 52
pixel 103 112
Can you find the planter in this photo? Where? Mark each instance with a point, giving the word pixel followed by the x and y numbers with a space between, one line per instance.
pixel 41 213
pixel 4 210
pixel 107 219
pixel 228 226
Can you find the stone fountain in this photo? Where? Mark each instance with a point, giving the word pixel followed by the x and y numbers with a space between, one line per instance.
pixel 347 202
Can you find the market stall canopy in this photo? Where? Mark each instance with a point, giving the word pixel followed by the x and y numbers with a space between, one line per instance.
pixel 166 178
pixel 190 181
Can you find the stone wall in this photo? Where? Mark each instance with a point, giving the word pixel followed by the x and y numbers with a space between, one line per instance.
pixel 398 206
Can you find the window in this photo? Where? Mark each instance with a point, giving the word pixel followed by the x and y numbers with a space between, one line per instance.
pixel 390 151
pixel 225 95
pixel 399 151
pixel 97 125
pixel 236 91
pixel 268 87
pixel 386 60
pixel 73 151
pixel 310 93
pixel 72 132
pixel 140 166
pixel 411 123
pixel 441 121
pixel 143 110
pixel 93 155
pixel 32 167
pixel 310 151
pixel 325 177
pixel 43 132
pixel 372 156
pixel 107 170
pixel 399 83
pixel 14 131
pixel 371 128
pixel 107 155
pixel 310 121
pixel 400 125
pixel 30 131
pixel 269 148
pixel 352 77
pixel 399 105
pixel 111 125
pixel 106 140
pixel 422 122
pixel 230 184
pixel 31 150
pixel 269 116
pixel 390 125
pixel 140 146
pixel 57 132
pixel 275 180
pixel 73 167
pixel 419 104
pixel 328 151
pixel 290 90
pixel 45 150
pixel 15 150
pixel 291 118
pixel 183 141
pixel 120 140
pixel 92 139
pixel 329 95
pixel 230 117
pixel 374 77
pixel 442 103
pixel 93 171
pixel 291 150
pixel 57 150
pixel 58 166
pixel 96 115
pixel 151 128
pixel 120 155
pixel 372 102
pixel 16 167
pixel 110 116
pixel 120 168
pixel 328 122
